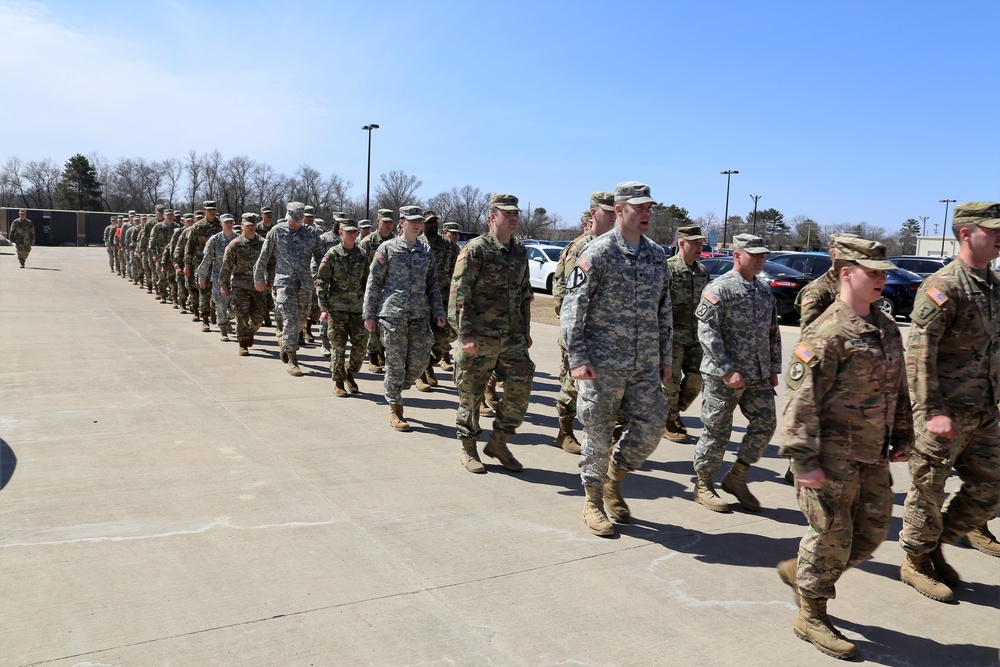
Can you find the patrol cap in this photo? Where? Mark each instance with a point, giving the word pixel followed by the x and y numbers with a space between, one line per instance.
pixel 249 218
pixel 587 217
pixel 504 202
pixel 169 212
pixel 430 215
pixel 309 210
pixel 265 209
pixel 319 221
pixel 188 216
pixel 385 214
pixel 25 212
pixel 633 192
pixel 752 244
pixel 986 214
pixel 692 233
pixel 295 210
pixel 603 199
pixel 348 225
pixel 209 203
pixel 410 213
pixel 177 212
pixel 339 215
pixel 869 254
pixel 452 227
pixel 159 208
pixel 132 212
pixel 226 217
pixel 364 224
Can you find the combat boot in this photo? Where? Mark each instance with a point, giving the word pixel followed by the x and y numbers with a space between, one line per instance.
pixel 293 365
pixel 396 417
pixel 307 334
pixel 981 538
pixel 204 324
pixel 675 431
pixel 787 571
pixel 614 503
pixel 946 572
pixel 338 388
pixel 224 332
pixel 446 364
pixel 429 376
pixel 422 384
pixel 211 315
pixel 492 398
pixel 704 493
pixel 267 319
pixel 486 411
pixel 302 339
pixel 470 457
pixel 373 363
pixel 814 626
pixel 918 571
pixel 281 349
pixel 566 438
pixel 593 513
pixel 352 386
pixel 497 448
pixel 735 483
pixel 244 352
pixel 327 348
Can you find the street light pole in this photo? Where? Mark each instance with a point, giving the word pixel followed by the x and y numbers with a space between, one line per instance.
pixel 725 222
pixel 368 180
pixel 944 228
pixel 755 199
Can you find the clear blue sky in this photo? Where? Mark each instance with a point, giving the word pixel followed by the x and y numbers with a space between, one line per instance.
pixel 843 111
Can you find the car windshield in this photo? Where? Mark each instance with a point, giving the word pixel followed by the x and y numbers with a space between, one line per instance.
pixel 552 253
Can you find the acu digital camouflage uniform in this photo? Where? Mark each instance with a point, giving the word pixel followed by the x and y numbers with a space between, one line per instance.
pixel 567 397
pixel 22 235
pixel 340 287
pixel 208 272
pixel 236 277
pixel 953 365
pixel 194 252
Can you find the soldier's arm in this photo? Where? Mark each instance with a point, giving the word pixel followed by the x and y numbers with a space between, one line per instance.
pixel 527 296
pixel 665 312
pixel 432 289
pixel 373 288
pixel 260 267
pixel 205 268
pixel 902 437
pixel 189 251
pixel 324 280
pixel 711 318
pixel 226 271
pixel 774 338
pixel 929 321
pixel 559 279
pixel 808 382
pixel 580 288
pixel 466 271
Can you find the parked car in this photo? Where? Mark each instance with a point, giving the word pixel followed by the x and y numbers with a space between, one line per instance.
pixel 922 265
pixel 810 264
pixel 785 283
pixel 899 292
pixel 542 261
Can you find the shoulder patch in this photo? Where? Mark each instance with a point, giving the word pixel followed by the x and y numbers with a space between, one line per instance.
pixel 576 277
pixel 806 300
pixel 702 309
pixel 796 371
pixel 937 296
pixel 712 297
pixel 804 353
pixel 380 258
pixel 585 264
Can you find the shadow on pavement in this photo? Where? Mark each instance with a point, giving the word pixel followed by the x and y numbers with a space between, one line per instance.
pixel 8 462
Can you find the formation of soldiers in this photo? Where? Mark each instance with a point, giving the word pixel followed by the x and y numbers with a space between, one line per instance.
pixel 640 337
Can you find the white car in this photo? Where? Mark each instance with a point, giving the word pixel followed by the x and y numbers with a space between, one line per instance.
pixel 542 261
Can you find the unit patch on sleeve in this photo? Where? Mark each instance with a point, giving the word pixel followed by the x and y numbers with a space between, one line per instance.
pixel 577 277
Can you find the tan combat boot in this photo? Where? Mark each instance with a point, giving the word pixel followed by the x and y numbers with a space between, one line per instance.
pixel 224 333
pixel 675 431
pixel 566 438
pixel 430 377
pixel 470 457
pixel 338 388
pixel 704 493
pixel 396 418
pixel 814 626
pixel 352 386
pixel 307 333
pixel 204 324
pixel 486 411
pixel 244 344
pixel 981 538
pixel 293 365
pixel 735 482
pixel 614 503
pixel 373 365
pixel 787 571
pixel 497 448
pixel 918 571
pixel 422 384
pixel 946 572
pixel 281 349
pixel 593 513
pixel 446 364
pixel 492 398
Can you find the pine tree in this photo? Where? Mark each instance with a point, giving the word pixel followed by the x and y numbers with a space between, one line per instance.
pixel 78 188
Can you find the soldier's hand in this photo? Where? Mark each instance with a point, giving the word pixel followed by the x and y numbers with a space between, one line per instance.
pixel 898 455
pixel 733 380
pixel 201 284
pixel 187 271
pixel 260 287
pixel 224 292
pixel 440 322
pixel 324 316
pixel 814 479
pixel 666 372
pixel 470 344
pixel 370 325
pixel 585 372
pixel 774 379
pixel 942 425
pixel 527 340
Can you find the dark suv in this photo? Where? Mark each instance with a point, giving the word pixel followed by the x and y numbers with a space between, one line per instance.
pixel 922 265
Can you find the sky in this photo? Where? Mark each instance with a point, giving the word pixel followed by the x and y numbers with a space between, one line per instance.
pixel 844 111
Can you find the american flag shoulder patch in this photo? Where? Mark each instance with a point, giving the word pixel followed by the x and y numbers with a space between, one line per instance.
pixel 712 297
pixel 380 258
pixel 937 296
pixel 804 353
pixel 585 264
pixel 806 300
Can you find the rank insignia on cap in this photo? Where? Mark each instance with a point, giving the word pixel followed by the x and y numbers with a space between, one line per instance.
pixel 585 264
pixel 937 296
pixel 712 297
pixel 380 258
pixel 806 300
pixel 804 353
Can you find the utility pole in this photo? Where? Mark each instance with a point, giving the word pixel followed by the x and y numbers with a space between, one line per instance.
pixel 755 199
pixel 725 222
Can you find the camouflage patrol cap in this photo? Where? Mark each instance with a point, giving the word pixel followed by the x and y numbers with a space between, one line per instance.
pixel 504 202
pixel 869 254
pixel 177 212
pixel 309 210
pixel 430 215
pixel 633 192
pixel 749 243
pixel 209 203
pixel 25 212
pixel 295 210
pixel 452 227
pixel 169 212
pixel 587 217
pixel 132 212
pixel 410 213
pixel 188 216
pixel 159 208
pixel 339 215
pixel 364 224
pixel 226 217
pixel 265 209
pixel 986 214
pixel 385 214
pixel 603 199
pixel 692 233
pixel 348 225
pixel 249 218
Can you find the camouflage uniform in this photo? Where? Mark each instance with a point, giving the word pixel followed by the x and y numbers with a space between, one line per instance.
pixel 159 239
pixel 194 252
pixel 133 272
pixel 189 283
pixel 208 272
pixel 686 286
pixel 236 277
pixel 109 234
pixel 847 408
pixel 567 396
pixel 340 288
pixel 22 235
pixel 369 245
pixel 445 253
pixel 121 246
pixel 816 297
pixel 402 294
pixel 617 318
pixel 143 245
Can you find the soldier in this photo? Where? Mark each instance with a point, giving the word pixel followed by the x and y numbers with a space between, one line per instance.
pixel 452 232
pixel 617 324
pixel 402 293
pixel 741 345
pixel 263 229
pixel 846 417
pixel 194 251
pixel 490 309
pixel 364 229
pixel 821 292
pixel 330 238
pixel 340 287
pixel 143 243
pixel 189 283
pixel 209 268
pixel 122 247
pixel 236 282
pixel 109 233
pixel 376 356
pixel 953 365
pixel 159 239
pixel 445 253
pixel 22 235
pixel 289 249
pixel 177 289
pixel 687 281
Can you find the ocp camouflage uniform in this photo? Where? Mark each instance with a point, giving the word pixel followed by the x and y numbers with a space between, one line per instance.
pixel 109 235
pixel 22 235
pixel 402 294
pixel 816 297
pixel 177 290
pixel 133 271
pixel 567 396
pixel 159 239
pixel 369 245
pixel 445 253
pixel 847 409
pixel 208 272
pixel 122 248
pixel 194 252
pixel 340 288
pixel 491 299
pixel 236 277
pixel 190 283
pixel 143 244
pixel 953 365
pixel 617 318
pixel 738 330
pixel 686 286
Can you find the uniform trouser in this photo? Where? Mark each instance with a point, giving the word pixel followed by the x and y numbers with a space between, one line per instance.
pixel 636 395
pixel 755 400
pixel 111 257
pixel 375 345
pixel 848 518
pixel 120 261
pixel 147 266
pixel 567 397
pixel 268 301
pixel 443 338
pixel 23 250
pixel 506 358
pixel 221 304
pixel 975 456
pixel 685 382
pixel 407 343
pixel 205 299
pixel 292 304
pixel 170 285
pixel 247 304
pixel 314 311
pixel 344 326
pixel 192 292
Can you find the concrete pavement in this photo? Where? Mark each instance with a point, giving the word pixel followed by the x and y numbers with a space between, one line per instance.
pixel 166 502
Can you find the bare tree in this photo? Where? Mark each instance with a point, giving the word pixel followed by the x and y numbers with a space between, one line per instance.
pixel 195 177
pixel 467 205
pixel 212 165
pixel 396 189
pixel 269 187
pixel 335 195
pixel 236 184
pixel 171 171
pixel 535 223
pixel 41 177
pixel 11 186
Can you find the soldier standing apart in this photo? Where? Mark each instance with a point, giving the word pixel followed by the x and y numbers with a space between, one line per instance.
pixel 401 298
pixel 376 355
pixel 22 235
pixel 211 265
pixel 236 282
pixel 953 365
pixel 445 252
pixel 618 327
pixel 490 309
pixel 340 288
pixel 741 345
pixel 846 417
pixel 687 281
pixel 194 251
pixel 109 233
pixel 290 248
